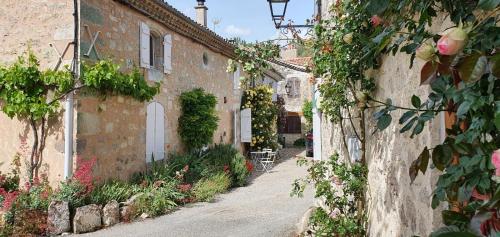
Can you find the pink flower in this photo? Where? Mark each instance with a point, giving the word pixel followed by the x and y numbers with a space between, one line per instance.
pixel 482 197
pixel 376 20
pixel 452 41
pixel 495 159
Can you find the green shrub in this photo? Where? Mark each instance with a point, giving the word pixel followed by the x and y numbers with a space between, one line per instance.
pixel 307 110
pixel 189 166
pixel 239 170
pixel 207 188
pixel 159 198
pixel 114 190
pixel 73 193
pixel 225 158
pixel 301 142
pixel 198 121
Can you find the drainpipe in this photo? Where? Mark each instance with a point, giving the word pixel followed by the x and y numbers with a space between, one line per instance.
pixel 68 113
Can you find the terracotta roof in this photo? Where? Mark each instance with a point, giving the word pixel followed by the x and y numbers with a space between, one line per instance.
pixel 176 21
pixel 303 61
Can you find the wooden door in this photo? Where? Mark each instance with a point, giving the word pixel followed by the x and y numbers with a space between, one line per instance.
pixel 155 132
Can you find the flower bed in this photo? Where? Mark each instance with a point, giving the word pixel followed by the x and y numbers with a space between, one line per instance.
pixel 37 210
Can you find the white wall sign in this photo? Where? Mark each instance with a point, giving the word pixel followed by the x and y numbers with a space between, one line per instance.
pixel 246 125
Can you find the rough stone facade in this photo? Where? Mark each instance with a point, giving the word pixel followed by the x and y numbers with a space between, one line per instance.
pixel 114 130
pixel 395 208
pixel 35 24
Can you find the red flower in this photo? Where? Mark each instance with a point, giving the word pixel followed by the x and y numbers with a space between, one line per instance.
pixel 376 20
pixel 83 173
pixel 184 188
pixel 249 166
pixel 482 197
pixel 226 168
pixel 9 199
pixel 492 224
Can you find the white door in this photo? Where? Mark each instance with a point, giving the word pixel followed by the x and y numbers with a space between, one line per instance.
pixel 155 132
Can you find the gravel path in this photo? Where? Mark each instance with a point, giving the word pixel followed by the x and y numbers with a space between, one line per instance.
pixel 263 208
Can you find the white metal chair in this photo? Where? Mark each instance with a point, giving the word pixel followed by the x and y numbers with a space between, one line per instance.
pixel 267 162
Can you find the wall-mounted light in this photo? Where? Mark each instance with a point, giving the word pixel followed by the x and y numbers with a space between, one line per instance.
pixel 278 11
pixel 288 88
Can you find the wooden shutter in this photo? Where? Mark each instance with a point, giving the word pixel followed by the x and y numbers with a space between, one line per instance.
pixel 246 125
pixel 150 131
pixel 145 45
pixel 236 78
pixel 159 132
pixel 293 125
pixel 167 57
pixel 155 132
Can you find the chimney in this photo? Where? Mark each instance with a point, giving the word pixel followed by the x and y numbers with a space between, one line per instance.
pixel 201 13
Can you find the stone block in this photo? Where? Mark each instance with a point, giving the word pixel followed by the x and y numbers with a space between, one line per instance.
pixel 88 124
pixel 58 218
pixel 87 219
pixel 111 213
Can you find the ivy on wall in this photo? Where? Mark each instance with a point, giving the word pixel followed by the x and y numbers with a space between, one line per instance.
pixel 199 120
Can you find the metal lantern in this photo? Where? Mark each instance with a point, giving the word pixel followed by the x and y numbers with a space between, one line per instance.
pixel 288 88
pixel 278 11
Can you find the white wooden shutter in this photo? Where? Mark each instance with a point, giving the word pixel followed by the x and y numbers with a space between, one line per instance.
pixel 167 50
pixel 155 132
pixel 150 131
pixel 145 45
pixel 236 79
pixel 246 125
pixel 159 132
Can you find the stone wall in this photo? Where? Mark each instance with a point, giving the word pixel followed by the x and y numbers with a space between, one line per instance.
pixel 114 130
pixel 395 208
pixel 35 24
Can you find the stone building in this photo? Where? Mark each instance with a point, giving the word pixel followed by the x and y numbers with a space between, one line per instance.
pixel 395 208
pixel 295 90
pixel 151 35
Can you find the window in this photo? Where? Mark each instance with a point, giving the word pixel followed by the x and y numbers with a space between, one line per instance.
pixel 155 50
pixel 205 59
pixel 294 88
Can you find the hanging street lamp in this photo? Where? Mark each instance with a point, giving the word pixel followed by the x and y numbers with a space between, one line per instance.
pixel 278 11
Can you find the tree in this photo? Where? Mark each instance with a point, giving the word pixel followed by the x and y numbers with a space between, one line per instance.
pixel 33 96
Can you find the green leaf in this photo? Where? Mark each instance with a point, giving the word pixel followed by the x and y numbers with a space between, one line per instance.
pixel 488 4
pixel 415 101
pixel 409 125
pixel 384 122
pixel 450 231
pixel 407 116
pixel 497 120
pixel 441 156
pixel 495 64
pixel 428 73
pixel 463 108
pixel 472 67
pixel 420 163
pixel 454 218
pixel 376 7
pixel 424 160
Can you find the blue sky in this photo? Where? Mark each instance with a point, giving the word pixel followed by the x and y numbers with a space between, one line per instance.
pixel 247 19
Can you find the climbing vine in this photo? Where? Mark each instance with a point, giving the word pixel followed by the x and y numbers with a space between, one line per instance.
pixel 462 69
pixel 33 95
